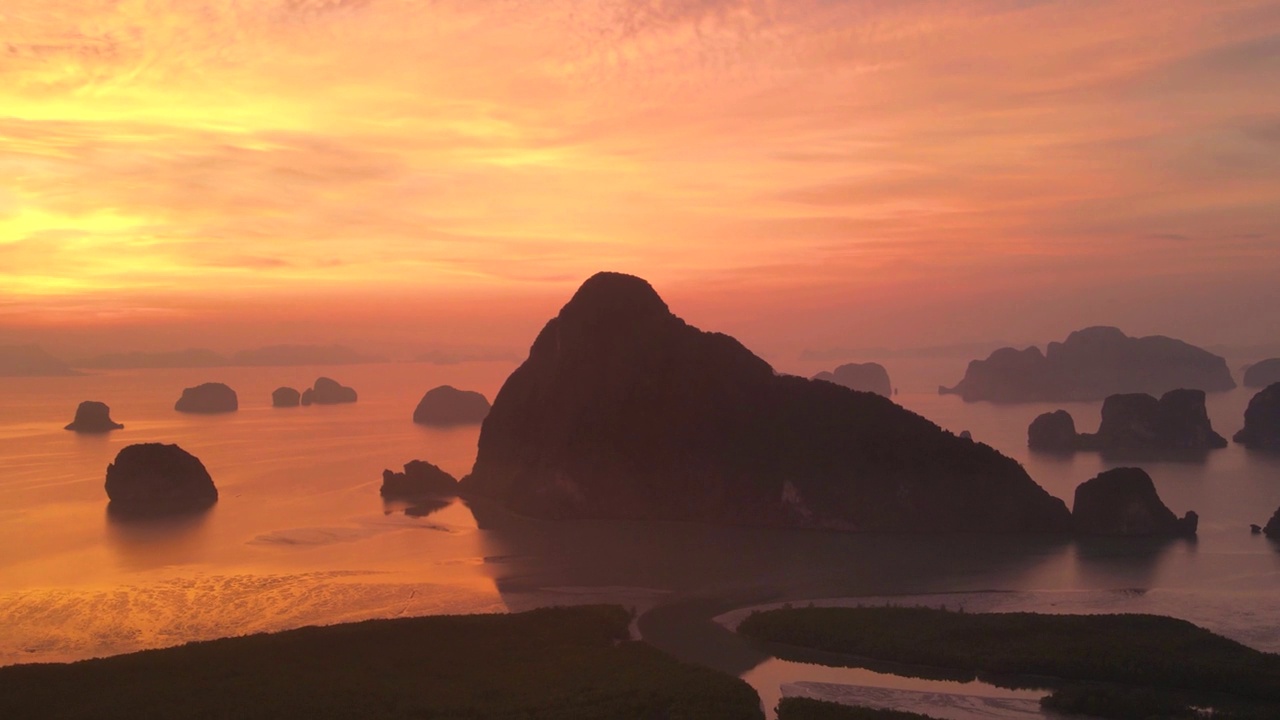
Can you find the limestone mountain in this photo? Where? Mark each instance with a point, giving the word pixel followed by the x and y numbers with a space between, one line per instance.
pixel 622 410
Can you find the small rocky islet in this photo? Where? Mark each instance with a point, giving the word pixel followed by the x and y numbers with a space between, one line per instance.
pixel 208 398
pixel 419 479
pixel 93 417
pixel 286 397
pixel 158 479
pixel 447 406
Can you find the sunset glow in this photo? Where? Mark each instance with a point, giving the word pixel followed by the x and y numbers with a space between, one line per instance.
pixel 341 161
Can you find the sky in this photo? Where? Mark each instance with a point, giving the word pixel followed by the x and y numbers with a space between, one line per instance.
pixel 813 176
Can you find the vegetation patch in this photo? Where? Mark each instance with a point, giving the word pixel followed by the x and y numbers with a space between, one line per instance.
pixel 801 708
pixel 551 663
pixel 1116 666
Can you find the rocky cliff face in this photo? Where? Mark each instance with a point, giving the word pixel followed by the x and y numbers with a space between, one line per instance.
pixel 1124 502
pixel 1090 365
pixel 152 478
pixel 1262 420
pixel 208 398
pixel 447 405
pixel 93 417
pixel 866 377
pixel 624 411
pixel 1262 374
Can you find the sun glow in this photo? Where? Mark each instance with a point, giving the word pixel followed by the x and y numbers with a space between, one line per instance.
pixel 280 147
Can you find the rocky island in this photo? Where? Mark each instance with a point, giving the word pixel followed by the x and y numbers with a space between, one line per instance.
pixel 867 377
pixel 1262 420
pixel 327 391
pixel 153 478
pixel 285 397
pixel 1134 423
pixel 208 398
pixel 1123 501
pixel 1092 364
pixel 418 479
pixel 1262 374
pixel 622 410
pixel 1053 432
pixel 93 417
pixel 447 405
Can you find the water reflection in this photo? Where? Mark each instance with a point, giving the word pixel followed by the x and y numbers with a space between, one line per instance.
pixel 153 541
pixel 1126 562
pixel 416 507
pixel 1133 455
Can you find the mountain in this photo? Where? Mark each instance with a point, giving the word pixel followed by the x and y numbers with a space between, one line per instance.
pixel 303 355
pixel 189 358
pixel 622 410
pixel 30 361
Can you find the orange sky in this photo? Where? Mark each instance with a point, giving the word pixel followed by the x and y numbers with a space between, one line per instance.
pixel 803 173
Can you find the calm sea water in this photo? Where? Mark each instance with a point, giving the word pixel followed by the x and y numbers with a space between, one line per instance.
pixel 300 535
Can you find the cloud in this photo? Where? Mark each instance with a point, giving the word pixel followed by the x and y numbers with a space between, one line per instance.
pixel 846 146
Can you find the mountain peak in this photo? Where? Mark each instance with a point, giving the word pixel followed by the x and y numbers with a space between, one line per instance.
pixel 613 296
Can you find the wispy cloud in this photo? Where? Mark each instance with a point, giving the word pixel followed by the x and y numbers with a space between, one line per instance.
pixel 173 144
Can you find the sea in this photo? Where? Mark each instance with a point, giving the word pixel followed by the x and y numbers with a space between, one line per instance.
pixel 300 535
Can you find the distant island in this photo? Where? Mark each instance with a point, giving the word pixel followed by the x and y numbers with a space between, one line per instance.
pixel 622 410
pixel 1261 429
pixel 1262 373
pixel 190 358
pixel 269 356
pixel 1090 365
pixel 93 417
pixel 866 377
pixel 446 406
pixel 31 361
pixel 286 397
pixel 278 355
pixel 207 398
pixel 1134 424
pixel 327 391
